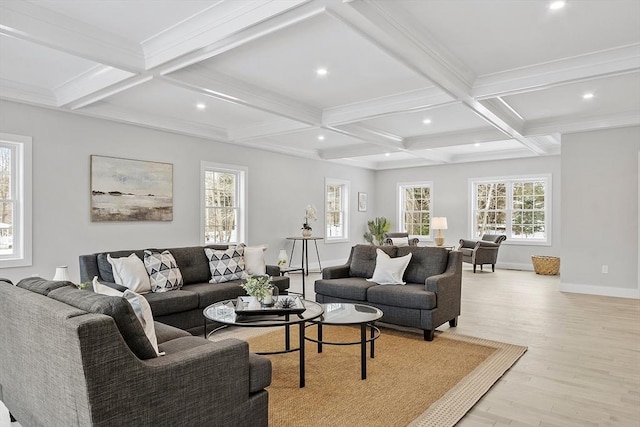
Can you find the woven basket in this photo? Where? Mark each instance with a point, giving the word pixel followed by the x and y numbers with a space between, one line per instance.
pixel 547 265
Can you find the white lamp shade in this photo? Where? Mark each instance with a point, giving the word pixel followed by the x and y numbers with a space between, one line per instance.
pixel 439 223
pixel 62 273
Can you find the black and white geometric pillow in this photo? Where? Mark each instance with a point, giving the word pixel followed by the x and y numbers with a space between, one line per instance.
pixel 164 273
pixel 226 265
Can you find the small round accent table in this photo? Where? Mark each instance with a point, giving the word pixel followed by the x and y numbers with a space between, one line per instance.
pixel 341 314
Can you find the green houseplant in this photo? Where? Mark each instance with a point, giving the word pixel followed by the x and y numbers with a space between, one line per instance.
pixel 377 227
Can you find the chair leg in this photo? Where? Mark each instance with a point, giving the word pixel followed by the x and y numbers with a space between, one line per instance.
pixel 13 420
pixel 481 267
pixel 428 334
pixel 493 268
pixel 453 322
pixel 474 268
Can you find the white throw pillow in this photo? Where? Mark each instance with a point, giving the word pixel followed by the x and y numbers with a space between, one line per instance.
pixel 254 263
pixel 400 241
pixel 140 306
pixel 130 273
pixel 389 271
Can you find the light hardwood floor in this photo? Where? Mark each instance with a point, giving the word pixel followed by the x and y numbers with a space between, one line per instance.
pixel 582 367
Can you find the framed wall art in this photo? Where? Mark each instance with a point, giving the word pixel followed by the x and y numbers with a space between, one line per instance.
pixel 130 190
pixel 362 202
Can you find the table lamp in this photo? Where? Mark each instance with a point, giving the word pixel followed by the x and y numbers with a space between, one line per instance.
pixel 439 223
pixel 62 274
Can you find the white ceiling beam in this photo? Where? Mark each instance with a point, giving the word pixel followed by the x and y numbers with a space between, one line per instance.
pixel 107 91
pixel 620 60
pixel 210 83
pixel 573 124
pixel 213 24
pixel 433 156
pixel 98 78
pixel 28 21
pixel 104 110
pixel 358 150
pixel 391 142
pixel 274 127
pixel 451 139
pixel 416 100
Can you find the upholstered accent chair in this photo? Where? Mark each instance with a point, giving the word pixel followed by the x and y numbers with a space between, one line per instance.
pixel 394 239
pixel 483 251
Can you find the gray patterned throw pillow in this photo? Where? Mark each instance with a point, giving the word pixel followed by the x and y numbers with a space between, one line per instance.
pixel 164 273
pixel 226 265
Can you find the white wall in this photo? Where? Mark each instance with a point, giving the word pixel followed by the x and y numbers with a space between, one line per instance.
pixel 280 187
pixel 451 199
pixel 600 212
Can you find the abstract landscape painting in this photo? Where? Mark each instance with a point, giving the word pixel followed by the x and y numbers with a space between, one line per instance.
pixel 130 190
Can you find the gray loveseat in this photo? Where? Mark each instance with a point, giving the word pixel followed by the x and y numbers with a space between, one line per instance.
pixel 70 357
pixel 430 298
pixel 180 308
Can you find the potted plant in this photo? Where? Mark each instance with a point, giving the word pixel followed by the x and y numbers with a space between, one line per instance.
pixel 310 214
pixel 261 288
pixel 377 228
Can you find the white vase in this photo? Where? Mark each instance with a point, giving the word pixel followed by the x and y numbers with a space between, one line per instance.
pixel 283 260
pixel 254 304
pixel 306 232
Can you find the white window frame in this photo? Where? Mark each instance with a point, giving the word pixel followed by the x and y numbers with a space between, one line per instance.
pixel 241 173
pixel 400 203
pixel 21 179
pixel 508 181
pixel 345 193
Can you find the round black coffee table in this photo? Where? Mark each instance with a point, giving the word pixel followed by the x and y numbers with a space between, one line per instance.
pixel 341 314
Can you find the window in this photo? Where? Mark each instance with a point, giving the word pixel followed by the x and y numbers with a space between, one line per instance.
pixel 337 209
pixel 415 204
pixel 15 200
pixel 224 203
pixel 518 207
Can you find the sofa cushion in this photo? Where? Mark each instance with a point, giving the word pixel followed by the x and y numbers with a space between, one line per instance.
pixel 226 265
pixel 166 333
pixel 410 295
pixel 193 264
pixel 164 274
pixel 171 302
pixel 208 293
pixel 117 308
pixel 363 259
pixel 351 288
pixel 389 271
pixel 425 262
pixel 41 286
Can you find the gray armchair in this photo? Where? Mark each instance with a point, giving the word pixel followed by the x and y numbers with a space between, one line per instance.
pixel 483 251
pixel 388 236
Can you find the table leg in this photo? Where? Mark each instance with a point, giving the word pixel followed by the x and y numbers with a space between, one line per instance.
pixel 303 287
pixel 373 342
pixel 305 256
pixel 293 248
pixel 363 351
pixel 302 372
pixel 318 254
pixel 287 334
pixel 319 337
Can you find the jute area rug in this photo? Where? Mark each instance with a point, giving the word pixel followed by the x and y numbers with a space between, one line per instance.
pixel 409 382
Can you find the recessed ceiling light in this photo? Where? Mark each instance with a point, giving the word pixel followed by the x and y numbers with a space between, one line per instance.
pixel 201 106
pixel 387 154
pixel 320 137
pixel 477 144
pixel 322 71
pixel 426 121
pixel 557 5
pixel 587 95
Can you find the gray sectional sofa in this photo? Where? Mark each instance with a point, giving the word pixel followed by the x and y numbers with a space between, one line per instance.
pixel 180 308
pixel 430 297
pixel 70 357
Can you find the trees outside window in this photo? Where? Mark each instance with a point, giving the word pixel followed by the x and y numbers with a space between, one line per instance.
pixel 415 201
pixel 224 203
pixel 517 207
pixel 336 208
pixel 15 200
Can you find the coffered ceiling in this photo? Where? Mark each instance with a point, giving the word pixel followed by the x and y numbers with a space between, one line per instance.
pixel 407 83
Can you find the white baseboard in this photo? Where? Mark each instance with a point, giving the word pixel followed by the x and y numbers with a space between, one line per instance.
pixel 599 290
pixel 314 267
pixel 515 266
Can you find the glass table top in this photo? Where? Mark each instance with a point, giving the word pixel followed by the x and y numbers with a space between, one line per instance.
pixel 224 312
pixel 349 314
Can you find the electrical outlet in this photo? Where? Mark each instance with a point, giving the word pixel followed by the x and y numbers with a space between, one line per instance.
pixel 605 269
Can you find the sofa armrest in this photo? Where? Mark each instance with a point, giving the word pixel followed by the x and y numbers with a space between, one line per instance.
pixel 488 245
pixel 448 287
pixel 272 270
pixel 337 272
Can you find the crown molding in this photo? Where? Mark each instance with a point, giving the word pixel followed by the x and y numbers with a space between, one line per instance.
pixel 27 94
pixel 574 124
pixel 274 127
pixel 98 78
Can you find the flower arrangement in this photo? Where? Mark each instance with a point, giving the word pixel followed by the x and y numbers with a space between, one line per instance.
pixel 310 214
pixel 258 286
